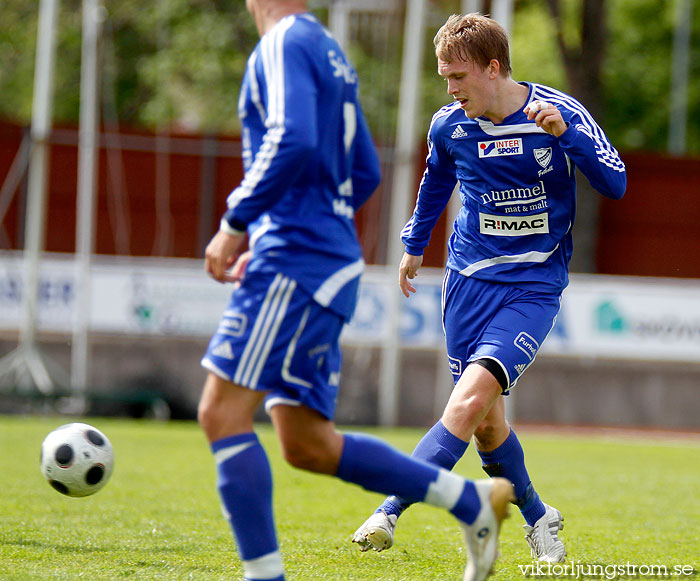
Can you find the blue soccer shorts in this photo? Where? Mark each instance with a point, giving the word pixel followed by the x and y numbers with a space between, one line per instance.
pixel 487 320
pixel 274 337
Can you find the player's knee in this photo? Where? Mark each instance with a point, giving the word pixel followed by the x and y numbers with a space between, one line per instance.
pixel 207 417
pixel 301 456
pixel 308 456
pixel 486 435
pixel 215 419
pixel 471 406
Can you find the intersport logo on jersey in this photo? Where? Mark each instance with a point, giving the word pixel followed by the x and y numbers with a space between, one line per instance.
pixel 513 225
pixel 500 147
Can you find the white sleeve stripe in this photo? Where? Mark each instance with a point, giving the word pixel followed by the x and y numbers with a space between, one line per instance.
pixel 254 87
pixel 257 171
pixel 588 125
pixel 547 93
pixel 272 52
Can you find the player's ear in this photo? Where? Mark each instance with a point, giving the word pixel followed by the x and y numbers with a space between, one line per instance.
pixel 494 68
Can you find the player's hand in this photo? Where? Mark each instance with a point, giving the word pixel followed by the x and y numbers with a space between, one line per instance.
pixel 546 116
pixel 237 271
pixel 221 254
pixel 408 269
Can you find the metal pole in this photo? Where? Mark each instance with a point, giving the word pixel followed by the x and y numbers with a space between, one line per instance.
pixel 502 12
pixel 401 195
pixel 469 6
pixel 25 363
pixel 87 166
pixel 338 21
pixel 679 78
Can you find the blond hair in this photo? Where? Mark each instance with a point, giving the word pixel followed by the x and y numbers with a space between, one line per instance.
pixel 475 38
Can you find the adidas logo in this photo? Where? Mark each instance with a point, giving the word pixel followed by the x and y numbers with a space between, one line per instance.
pixel 459 133
pixel 223 350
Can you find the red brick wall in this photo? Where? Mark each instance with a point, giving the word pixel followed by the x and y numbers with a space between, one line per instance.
pixel 653 231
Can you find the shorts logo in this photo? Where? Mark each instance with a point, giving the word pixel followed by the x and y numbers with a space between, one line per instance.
pixel 493 225
pixel 501 147
pixel 455 366
pixel 223 350
pixel 232 324
pixel 527 345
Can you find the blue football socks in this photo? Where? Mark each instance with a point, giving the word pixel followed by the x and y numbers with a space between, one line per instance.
pixel 508 460
pixel 439 447
pixel 245 486
pixel 378 467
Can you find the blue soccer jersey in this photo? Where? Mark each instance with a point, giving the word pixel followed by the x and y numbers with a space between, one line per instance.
pixel 309 162
pixel 518 191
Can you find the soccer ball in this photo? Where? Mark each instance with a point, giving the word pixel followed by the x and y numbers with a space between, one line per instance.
pixel 77 459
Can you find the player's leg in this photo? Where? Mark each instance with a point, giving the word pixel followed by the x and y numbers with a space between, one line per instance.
pixel 504 457
pixel 243 358
pixel 438 446
pixel 244 480
pixel 508 346
pixel 465 314
pixel 443 445
pixel 302 408
pixel 311 442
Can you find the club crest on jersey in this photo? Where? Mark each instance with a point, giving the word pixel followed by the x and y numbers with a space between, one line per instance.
pixel 501 147
pixel 459 132
pixel 543 156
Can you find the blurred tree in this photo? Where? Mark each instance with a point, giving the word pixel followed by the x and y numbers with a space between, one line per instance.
pixel 176 62
pixel 180 62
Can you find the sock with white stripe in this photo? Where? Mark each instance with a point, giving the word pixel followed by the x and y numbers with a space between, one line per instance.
pixel 508 461
pixel 438 446
pixel 245 486
pixel 378 467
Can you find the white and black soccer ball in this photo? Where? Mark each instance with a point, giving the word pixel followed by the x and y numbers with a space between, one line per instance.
pixel 77 459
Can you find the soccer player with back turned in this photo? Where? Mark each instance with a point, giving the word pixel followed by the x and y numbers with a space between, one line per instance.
pixel 512 148
pixel 309 164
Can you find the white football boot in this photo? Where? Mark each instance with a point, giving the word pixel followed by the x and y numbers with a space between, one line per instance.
pixel 543 538
pixel 481 536
pixel 377 532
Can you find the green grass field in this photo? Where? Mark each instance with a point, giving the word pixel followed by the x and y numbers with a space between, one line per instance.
pixel 626 501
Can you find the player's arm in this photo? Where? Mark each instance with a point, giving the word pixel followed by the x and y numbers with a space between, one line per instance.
pixel 585 143
pixel 408 269
pixel 594 155
pixel 434 193
pixel 365 169
pixel 286 146
pixel 291 95
pixel 221 257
